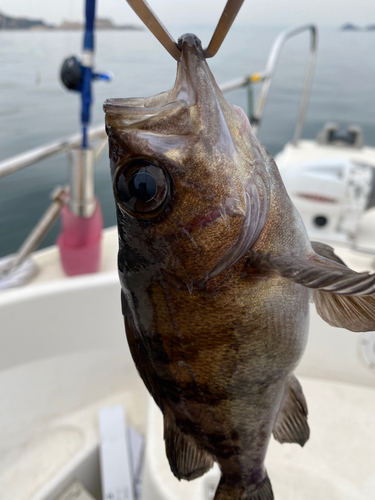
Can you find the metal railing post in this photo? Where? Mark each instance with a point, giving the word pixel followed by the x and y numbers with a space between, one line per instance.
pixel 34 239
pixel 270 69
pixel 307 87
pixel 250 100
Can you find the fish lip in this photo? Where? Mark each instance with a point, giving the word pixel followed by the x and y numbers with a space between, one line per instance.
pixel 191 43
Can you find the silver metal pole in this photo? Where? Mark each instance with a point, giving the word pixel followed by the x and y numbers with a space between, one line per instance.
pixel 238 83
pixel 100 147
pixel 52 149
pixel 270 69
pixel 82 194
pixel 306 87
pixel 40 230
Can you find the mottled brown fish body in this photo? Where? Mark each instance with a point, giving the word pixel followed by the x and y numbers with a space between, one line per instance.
pixel 229 357
pixel 215 268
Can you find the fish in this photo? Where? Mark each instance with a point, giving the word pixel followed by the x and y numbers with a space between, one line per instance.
pixel 216 273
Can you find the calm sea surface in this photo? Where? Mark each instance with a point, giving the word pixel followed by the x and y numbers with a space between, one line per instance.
pixel 36 109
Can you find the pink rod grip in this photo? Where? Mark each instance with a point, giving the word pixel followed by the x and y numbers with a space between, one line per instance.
pixel 79 241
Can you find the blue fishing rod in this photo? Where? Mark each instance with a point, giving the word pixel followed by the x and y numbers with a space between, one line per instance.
pixel 78 75
pixel 87 68
pixel 82 220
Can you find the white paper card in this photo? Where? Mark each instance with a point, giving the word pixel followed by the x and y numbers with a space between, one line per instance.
pixel 116 474
pixel 136 442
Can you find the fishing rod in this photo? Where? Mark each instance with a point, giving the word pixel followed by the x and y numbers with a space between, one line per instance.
pixel 87 68
pixel 82 220
pixel 78 75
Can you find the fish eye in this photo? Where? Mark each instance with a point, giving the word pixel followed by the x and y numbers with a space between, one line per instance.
pixel 142 187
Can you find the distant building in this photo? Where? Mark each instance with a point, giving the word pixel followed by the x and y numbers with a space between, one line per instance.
pixel 70 25
pixel 100 24
pixel 350 27
pixel 104 24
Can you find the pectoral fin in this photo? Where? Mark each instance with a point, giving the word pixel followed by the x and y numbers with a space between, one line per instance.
pixel 356 314
pixel 343 298
pixel 353 313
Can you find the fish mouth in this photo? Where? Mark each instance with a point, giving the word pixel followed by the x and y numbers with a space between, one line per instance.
pixel 191 43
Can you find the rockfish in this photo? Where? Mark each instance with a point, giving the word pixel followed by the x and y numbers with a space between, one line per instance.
pixel 216 272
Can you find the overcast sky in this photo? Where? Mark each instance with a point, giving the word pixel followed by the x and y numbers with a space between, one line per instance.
pixel 266 12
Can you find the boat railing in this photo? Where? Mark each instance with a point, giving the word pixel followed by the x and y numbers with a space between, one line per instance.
pixel 81 184
pixel 97 134
pixel 266 78
pixel 51 149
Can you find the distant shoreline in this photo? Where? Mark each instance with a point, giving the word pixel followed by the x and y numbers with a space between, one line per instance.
pixel 42 30
pixel 8 23
pixel 354 27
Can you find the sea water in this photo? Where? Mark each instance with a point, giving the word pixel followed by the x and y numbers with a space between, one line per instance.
pixel 36 109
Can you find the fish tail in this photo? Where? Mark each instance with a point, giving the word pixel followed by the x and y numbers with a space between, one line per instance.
pixel 260 491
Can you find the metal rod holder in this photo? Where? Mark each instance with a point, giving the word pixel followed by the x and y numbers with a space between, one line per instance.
pixel 82 194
